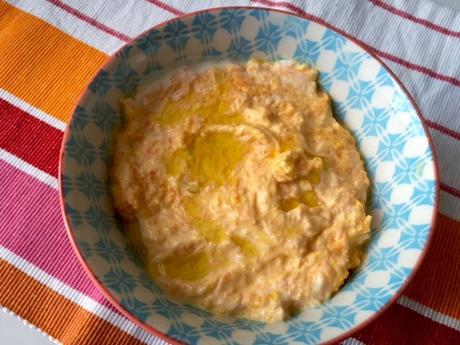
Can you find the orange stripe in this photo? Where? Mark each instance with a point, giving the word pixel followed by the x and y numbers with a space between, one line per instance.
pixel 437 283
pixel 54 314
pixel 43 65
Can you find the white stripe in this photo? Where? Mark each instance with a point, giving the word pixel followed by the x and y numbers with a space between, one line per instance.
pixel 78 298
pixel 429 313
pixel 448 152
pixel 107 43
pixel 436 99
pixel 28 324
pixel 447 148
pixel 352 341
pixel 132 17
pixel 438 106
pixel 435 12
pixel 70 24
pixel 409 40
pixel 193 6
pixel 28 169
pixel 449 205
pixel 425 45
pixel 31 110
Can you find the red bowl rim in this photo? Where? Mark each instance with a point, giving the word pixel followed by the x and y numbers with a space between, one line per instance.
pixel 107 294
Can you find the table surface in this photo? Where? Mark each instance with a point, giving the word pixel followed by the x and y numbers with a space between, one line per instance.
pixel 16 332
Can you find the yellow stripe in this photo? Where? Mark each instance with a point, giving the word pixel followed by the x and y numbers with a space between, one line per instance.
pixel 43 65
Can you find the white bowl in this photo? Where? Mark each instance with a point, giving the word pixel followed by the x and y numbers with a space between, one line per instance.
pixel 367 99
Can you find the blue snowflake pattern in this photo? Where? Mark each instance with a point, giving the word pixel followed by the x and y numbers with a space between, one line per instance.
pixel 383 259
pixel 184 332
pixel 295 28
pixel 108 250
pixel 218 330
pixel 86 249
pixel 254 326
pixel 413 236
pixel 250 33
pixel 81 118
pixel 176 35
pixel 123 55
pixel 204 27
pixel 240 49
pixel 398 276
pixel 360 94
pixel 136 307
pixel 373 298
pixel 150 43
pixel 268 37
pixel 307 52
pixel 168 309
pixel 81 150
pixel 67 184
pixel 340 317
pixel 104 153
pixel 405 168
pixel 148 284
pixel 99 219
pixel 90 185
pixel 304 332
pixel 260 15
pixel 231 20
pixel 423 192
pixel 75 216
pixel 120 281
pixel 152 67
pixel 126 79
pixel 102 83
pixel 106 117
pixel 332 41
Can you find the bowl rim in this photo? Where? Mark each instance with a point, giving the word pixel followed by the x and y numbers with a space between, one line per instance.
pixel 150 329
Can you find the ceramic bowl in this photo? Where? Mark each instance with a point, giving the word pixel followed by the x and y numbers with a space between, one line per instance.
pixel 367 99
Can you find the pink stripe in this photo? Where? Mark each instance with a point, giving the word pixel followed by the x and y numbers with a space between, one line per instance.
pixel 32 227
pixel 166 7
pixel 388 56
pixel 90 20
pixel 421 21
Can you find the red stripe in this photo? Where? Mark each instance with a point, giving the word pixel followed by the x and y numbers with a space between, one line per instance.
pixel 436 284
pixel 166 7
pixel 399 325
pixel 388 56
pixel 449 189
pixel 424 22
pixel 90 20
pixel 38 143
pixel 29 138
pixel 442 129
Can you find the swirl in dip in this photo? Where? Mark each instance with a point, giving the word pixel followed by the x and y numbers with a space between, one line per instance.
pixel 241 191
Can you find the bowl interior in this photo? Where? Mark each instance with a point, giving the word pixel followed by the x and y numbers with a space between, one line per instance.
pixel 366 99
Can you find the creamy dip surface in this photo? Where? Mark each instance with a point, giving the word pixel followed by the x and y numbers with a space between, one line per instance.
pixel 241 191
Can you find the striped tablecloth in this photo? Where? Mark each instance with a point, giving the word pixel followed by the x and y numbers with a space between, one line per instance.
pixel 49 49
